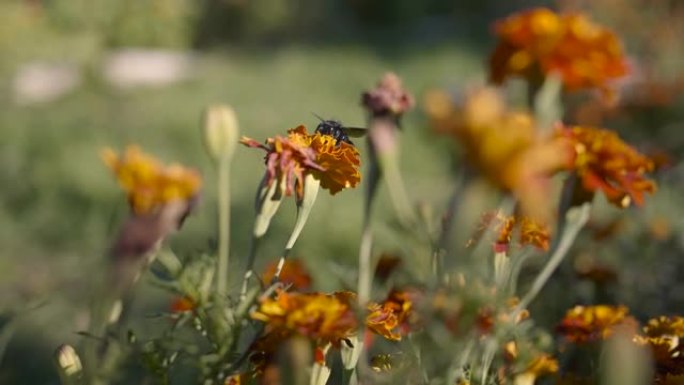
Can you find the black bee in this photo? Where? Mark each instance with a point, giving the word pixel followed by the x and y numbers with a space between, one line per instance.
pixel 341 133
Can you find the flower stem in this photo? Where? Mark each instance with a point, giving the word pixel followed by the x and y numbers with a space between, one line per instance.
pixel 224 225
pixel 575 220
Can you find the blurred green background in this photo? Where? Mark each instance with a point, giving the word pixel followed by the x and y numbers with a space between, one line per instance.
pixel 276 62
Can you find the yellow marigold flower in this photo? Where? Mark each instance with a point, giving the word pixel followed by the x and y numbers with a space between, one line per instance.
pixel 148 183
pixel 531 232
pixel 542 365
pixel 336 165
pixel 294 273
pixel 504 145
pixel 664 325
pixel 389 318
pixel 538 42
pixel 604 162
pixel 583 324
pixel 324 318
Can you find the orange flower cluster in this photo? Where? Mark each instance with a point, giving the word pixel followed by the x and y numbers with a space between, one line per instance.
pixel 538 42
pixel 294 273
pixel 531 232
pixel 604 162
pixel 663 335
pixel 182 304
pixel 389 318
pixel 502 144
pixel 149 184
pixel 336 165
pixel 583 324
pixel 324 318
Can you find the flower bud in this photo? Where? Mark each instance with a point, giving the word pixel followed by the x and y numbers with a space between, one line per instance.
pixel 220 131
pixel 68 364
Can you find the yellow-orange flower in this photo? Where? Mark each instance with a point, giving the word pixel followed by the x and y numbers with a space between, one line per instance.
pixel 336 165
pixel 181 304
pixel 389 317
pixel 538 42
pixel 604 162
pixel 294 273
pixel 504 145
pixel 148 183
pixel 324 318
pixel 583 324
pixel 531 232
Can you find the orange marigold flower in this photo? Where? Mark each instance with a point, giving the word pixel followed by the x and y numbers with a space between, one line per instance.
pixel 504 145
pixel 181 304
pixel 538 42
pixel 149 184
pixel 583 324
pixel 294 273
pixel 664 325
pixel 541 365
pixel 335 164
pixel 325 318
pixel 604 162
pixel 531 232
pixel 389 317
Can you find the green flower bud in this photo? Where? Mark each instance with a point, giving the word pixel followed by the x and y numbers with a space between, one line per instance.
pixel 220 131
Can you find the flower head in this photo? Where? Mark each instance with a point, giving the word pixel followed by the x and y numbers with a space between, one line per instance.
pixel 538 42
pixel 604 162
pixel 583 324
pixel 531 232
pixel 389 317
pixel 288 159
pixel 388 98
pixel 324 318
pixel 504 145
pixel 294 273
pixel 182 304
pixel 149 184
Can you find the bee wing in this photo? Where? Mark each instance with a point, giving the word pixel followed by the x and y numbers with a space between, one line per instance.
pixel 355 132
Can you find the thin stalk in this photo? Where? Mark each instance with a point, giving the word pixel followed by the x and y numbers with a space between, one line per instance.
pixel 224 225
pixel 249 272
pixel 574 223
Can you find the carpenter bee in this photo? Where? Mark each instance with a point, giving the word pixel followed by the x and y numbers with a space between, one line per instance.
pixel 341 133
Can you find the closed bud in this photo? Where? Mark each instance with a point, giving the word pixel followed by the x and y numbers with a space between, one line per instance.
pixel 68 364
pixel 220 131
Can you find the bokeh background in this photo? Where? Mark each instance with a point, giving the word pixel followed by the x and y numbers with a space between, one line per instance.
pixel 77 75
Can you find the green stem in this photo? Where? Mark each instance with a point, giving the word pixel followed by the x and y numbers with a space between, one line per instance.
pixel 224 225
pixel 575 220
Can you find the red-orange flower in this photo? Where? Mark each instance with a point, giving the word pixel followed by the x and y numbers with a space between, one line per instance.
pixel 389 317
pixel 148 183
pixel 604 162
pixel 538 42
pixel 335 164
pixel 181 304
pixel 324 318
pixel 663 336
pixel 294 273
pixel 504 145
pixel 583 324
pixel 531 232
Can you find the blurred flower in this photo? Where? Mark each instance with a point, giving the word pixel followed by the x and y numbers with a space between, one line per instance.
pixel 586 267
pixel 388 98
pixel 531 232
pixel 181 304
pixel 387 264
pixel 390 317
pixel 541 365
pixel 289 159
pixel 664 325
pixel 583 324
pixel 504 145
pixel 537 42
pixel 148 183
pixel 663 336
pixel 487 317
pixel 323 318
pixel 294 273
pixel 604 162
